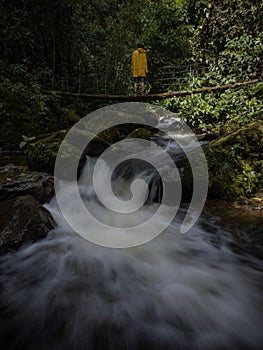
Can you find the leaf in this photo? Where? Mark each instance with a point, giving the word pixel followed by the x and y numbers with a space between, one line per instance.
pixel 22 144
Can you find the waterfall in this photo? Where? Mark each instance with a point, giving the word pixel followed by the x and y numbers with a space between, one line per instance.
pixel 178 291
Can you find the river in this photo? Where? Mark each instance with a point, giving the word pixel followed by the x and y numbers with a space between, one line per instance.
pixel 178 291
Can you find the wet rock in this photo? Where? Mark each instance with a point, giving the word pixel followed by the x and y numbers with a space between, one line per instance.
pixel 244 226
pixel 22 220
pixel 18 181
pixel 253 205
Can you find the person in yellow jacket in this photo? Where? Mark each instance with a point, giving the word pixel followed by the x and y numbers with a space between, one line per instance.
pixel 139 67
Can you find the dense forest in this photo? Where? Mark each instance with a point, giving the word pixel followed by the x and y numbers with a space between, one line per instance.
pixel 181 188
pixel 86 45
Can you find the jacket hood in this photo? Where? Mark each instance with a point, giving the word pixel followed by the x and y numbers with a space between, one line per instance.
pixel 141 50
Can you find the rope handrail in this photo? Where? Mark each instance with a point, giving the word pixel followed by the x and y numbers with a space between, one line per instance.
pixel 160 78
pixel 157 96
pixel 194 65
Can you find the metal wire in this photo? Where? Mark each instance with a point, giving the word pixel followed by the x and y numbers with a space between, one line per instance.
pixel 158 77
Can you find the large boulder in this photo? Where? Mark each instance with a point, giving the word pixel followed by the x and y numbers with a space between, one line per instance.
pixel 23 220
pixel 18 181
pixel 235 163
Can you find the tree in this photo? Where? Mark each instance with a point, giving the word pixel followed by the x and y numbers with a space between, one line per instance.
pixel 222 21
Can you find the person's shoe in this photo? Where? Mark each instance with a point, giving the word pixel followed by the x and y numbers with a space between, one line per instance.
pixel 143 94
pixel 135 94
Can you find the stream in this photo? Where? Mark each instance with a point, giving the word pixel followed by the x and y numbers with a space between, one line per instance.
pixel 191 291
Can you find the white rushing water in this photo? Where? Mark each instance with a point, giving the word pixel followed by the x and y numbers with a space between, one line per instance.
pixel 175 292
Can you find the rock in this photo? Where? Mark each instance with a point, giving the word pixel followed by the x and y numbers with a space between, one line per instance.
pixel 253 205
pixel 245 226
pixel 41 156
pixel 235 163
pixel 18 181
pixel 22 220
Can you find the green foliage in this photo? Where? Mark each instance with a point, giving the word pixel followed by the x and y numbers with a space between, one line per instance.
pixel 27 141
pixel 240 60
pixel 223 21
pixel 82 45
pixel 235 163
pixel 24 109
pixel 213 111
pixel 86 46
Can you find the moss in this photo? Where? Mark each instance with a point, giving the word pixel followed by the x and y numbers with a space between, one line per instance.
pixel 235 163
pixel 228 127
pixel 71 116
pixel 41 156
pixel 109 136
pixel 140 133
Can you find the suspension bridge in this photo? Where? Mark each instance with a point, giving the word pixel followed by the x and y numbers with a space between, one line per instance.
pixel 157 96
pixel 173 79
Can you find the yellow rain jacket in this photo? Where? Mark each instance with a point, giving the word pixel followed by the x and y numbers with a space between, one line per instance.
pixel 139 66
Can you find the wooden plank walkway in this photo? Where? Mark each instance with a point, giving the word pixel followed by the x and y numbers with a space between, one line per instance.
pixel 158 96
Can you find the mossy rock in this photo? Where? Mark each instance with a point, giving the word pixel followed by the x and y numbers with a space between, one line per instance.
pixel 235 163
pixel 141 133
pixel 41 156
